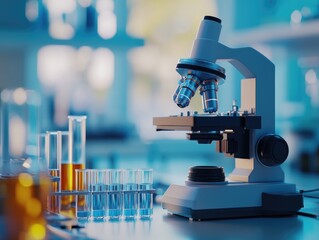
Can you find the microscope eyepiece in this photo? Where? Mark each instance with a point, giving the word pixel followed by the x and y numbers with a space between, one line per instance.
pixel 215 19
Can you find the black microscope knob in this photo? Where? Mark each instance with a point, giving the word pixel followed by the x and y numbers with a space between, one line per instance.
pixel 272 150
pixel 206 174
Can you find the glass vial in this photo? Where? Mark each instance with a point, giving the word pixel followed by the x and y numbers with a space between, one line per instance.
pixel 84 199
pixel 114 194
pixel 145 184
pixel 130 193
pixel 98 189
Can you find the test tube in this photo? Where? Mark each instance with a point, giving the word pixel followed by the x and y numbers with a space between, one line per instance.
pixel 114 196
pixel 52 149
pixel 56 149
pixel 54 201
pixel 41 146
pixel 98 189
pixel 53 155
pixel 63 154
pixel 84 197
pixel 76 155
pixel 130 194
pixel 145 182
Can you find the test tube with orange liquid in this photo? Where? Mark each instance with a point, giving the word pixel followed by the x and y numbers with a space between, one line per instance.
pixel 76 160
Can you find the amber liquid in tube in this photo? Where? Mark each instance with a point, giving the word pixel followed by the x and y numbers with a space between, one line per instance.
pixel 68 175
pixel 68 184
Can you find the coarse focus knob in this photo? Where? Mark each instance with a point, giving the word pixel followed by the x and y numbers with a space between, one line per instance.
pixel 272 150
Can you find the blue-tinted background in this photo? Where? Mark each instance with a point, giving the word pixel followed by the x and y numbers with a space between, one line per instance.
pixel 115 62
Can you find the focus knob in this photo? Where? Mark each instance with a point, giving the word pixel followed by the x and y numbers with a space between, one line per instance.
pixel 272 150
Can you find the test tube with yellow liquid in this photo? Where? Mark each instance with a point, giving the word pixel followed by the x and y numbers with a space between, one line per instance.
pixel 75 160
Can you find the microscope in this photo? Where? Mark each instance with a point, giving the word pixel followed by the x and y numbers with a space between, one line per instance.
pixel 256 186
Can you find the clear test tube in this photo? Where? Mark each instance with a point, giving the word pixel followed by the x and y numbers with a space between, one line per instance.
pixel 114 194
pixel 98 189
pixel 84 200
pixel 76 151
pixel 54 202
pixel 41 146
pixel 53 155
pixel 53 145
pixel 145 182
pixel 130 194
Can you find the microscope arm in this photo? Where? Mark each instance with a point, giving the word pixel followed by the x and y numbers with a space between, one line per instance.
pixel 247 60
pixel 251 64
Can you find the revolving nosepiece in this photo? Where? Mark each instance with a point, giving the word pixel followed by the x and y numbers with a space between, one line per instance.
pixel 198 73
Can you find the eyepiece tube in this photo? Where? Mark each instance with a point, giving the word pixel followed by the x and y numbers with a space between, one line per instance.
pixel 187 90
pixel 209 28
pixel 206 39
pixel 208 91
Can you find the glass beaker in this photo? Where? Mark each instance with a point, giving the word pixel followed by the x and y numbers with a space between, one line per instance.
pixel 24 177
pixel 19 125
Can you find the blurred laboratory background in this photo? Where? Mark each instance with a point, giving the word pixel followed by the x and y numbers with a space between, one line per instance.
pixel 114 61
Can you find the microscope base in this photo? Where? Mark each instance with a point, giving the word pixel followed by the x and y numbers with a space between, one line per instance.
pixel 232 200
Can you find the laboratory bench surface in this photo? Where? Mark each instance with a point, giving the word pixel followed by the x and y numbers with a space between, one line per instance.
pixel 165 226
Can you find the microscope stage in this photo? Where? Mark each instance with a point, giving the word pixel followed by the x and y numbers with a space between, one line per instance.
pixel 206 123
pixel 232 200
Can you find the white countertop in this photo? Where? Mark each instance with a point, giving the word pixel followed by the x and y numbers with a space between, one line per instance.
pixel 164 226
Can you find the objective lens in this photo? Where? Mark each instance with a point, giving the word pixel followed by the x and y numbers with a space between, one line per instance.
pixel 209 95
pixel 178 88
pixel 187 91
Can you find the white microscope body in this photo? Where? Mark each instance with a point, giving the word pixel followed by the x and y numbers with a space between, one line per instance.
pixel 256 186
